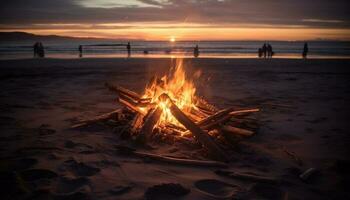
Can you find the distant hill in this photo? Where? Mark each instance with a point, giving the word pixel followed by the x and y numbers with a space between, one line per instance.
pixel 23 36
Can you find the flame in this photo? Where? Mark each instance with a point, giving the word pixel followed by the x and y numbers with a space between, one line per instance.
pixel 180 89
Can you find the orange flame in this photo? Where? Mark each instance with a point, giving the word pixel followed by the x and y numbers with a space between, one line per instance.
pixel 180 90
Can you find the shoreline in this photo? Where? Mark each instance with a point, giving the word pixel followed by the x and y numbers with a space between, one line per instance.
pixel 185 58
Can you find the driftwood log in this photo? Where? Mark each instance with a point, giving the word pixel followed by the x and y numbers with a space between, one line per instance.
pixel 222 117
pixel 213 120
pixel 167 159
pixel 120 90
pixel 308 174
pixel 237 131
pixel 97 119
pixel 215 116
pixel 250 177
pixel 246 111
pixel 213 149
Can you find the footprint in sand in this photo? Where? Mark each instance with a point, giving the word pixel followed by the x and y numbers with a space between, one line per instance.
pixel 80 168
pixel 166 191
pixel 22 163
pixel 287 137
pixel 120 189
pixel 45 130
pixel 217 189
pixel 81 147
pixel 265 191
pixel 317 120
pixel 71 184
pixel 37 174
pixel 78 195
pixel 72 188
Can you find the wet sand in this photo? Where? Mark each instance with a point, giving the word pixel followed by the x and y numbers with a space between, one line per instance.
pixel 304 110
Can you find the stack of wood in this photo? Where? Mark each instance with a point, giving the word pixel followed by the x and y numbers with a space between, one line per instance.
pixel 208 126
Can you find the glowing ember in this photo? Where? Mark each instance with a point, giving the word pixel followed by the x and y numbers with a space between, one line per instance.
pixel 180 90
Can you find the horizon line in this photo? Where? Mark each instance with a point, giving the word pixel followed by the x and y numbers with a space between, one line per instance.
pixel 177 40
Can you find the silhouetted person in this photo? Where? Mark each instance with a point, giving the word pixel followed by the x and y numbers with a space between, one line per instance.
pixel 196 51
pixel 269 51
pixel 35 49
pixel 264 49
pixel 128 47
pixel 80 51
pixel 260 52
pixel 305 50
pixel 40 50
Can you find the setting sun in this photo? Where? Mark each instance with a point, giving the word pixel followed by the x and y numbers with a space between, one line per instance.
pixel 172 39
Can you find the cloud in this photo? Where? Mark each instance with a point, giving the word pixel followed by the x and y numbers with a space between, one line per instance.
pixel 322 21
pixel 119 3
pixel 225 12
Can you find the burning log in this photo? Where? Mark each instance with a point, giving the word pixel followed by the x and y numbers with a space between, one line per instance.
pixel 237 131
pixel 193 117
pixel 150 121
pixel 175 127
pixel 201 136
pixel 213 120
pixel 217 116
pixel 199 113
pixel 97 119
pixel 131 107
pixel 172 160
pixel 123 91
pixel 221 117
pixel 134 103
pixel 204 106
pixel 136 123
pixel 213 124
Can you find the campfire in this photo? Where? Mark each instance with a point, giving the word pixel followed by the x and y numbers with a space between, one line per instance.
pixel 170 110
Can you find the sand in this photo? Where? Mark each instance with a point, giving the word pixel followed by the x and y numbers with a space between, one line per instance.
pixel 304 111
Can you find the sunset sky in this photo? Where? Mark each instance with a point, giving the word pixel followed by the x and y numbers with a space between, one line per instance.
pixel 181 19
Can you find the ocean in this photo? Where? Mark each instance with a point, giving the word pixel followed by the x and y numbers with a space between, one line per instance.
pixel 151 49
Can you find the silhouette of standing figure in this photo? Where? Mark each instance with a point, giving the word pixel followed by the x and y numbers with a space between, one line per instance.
pixel 128 47
pixel 80 51
pixel 196 51
pixel 41 51
pixel 35 49
pixel 260 52
pixel 264 49
pixel 269 51
pixel 306 50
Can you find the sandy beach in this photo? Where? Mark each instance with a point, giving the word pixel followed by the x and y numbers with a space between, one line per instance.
pixel 304 112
